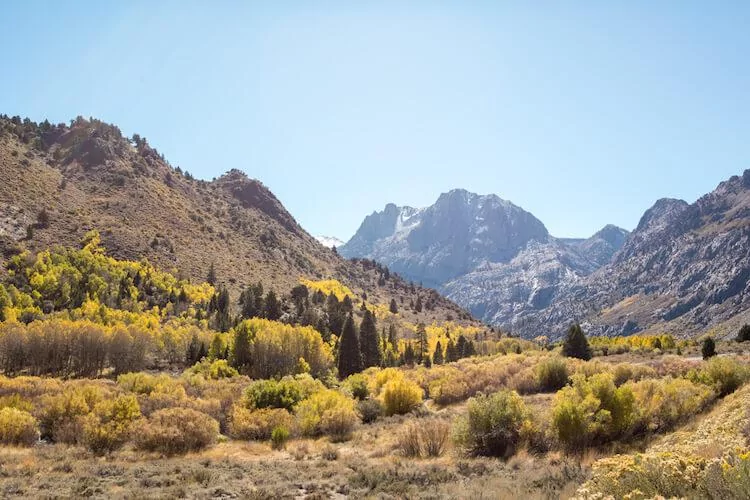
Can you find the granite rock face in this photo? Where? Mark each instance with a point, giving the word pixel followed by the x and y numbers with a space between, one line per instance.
pixel 684 269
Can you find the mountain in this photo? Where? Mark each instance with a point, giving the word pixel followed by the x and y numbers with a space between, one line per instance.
pixel 454 236
pixel 57 182
pixel 329 241
pixel 487 254
pixel 684 269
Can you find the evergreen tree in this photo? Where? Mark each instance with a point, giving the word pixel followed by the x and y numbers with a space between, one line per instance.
pixel 451 353
pixel 461 346
pixel 272 309
pixel 350 360
pixel 248 308
pixel 427 363
pixel 211 278
pixel 299 297
pixel 242 348
pixel 392 337
pixel 369 342
pixel 393 307
pixel 437 357
pixel 709 348
pixel 195 351
pixel 422 345
pixel 744 334
pixel 409 354
pixel 336 315
pixel 42 219
pixel 470 349
pixel 576 345
pixel 418 305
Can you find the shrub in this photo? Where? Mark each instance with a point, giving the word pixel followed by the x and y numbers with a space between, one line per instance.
pixel 725 374
pixel 284 393
pixel 708 349
pixel 357 385
pixel 370 410
pixel 743 335
pixel 401 396
pixel 664 403
pixel 551 374
pixel 258 424
pixel 409 442
pixel 434 436
pixel 592 411
pixel 214 370
pixel 279 437
pixel 175 431
pixel 18 427
pixel 493 424
pixel 327 412
pixel 61 415
pixel 109 426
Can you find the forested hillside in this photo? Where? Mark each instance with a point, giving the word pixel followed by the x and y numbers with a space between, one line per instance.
pixel 58 182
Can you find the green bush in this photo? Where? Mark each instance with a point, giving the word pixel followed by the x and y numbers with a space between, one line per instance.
pixel 552 374
pixel 285 393
pixel 401 396
pixel 175 431
pixel 708 349
pixel 592 411
pixel 18 427
pixel 357 385
pixel 213 370
pixel 493 424
pixel 279 437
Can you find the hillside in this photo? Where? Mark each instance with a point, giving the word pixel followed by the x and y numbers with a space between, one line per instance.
pixel 86 175
pixel 684 269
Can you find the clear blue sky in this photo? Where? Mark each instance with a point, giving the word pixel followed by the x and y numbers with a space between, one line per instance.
pixel 583 113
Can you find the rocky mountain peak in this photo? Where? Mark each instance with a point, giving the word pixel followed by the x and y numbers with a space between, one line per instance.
pixel 253 194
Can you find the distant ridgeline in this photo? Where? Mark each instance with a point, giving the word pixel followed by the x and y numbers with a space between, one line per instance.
pixel 80 312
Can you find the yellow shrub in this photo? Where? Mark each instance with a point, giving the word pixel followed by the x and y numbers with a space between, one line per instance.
pixel 327 411
pixel 61 415
pixel 176 430
pixel 401 396
pixel 258 424
pixel 18 427
pixel 109 426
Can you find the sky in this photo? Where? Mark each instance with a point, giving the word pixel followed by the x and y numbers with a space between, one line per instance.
pixel 583 113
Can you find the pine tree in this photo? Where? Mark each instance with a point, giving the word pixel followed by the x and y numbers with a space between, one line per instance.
pixel 195 351
pixel 409 354
pixel 709 348
pixel 272 309
pixel 211 278
pixel 576 345
pixel 393 307
pixel 437 357
pixel 451 353
pixel 418 306
pixel 350 360
pixel 461 346
pixel 368 341
pixel 392 337
pixel 422 346
pixel 744 334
